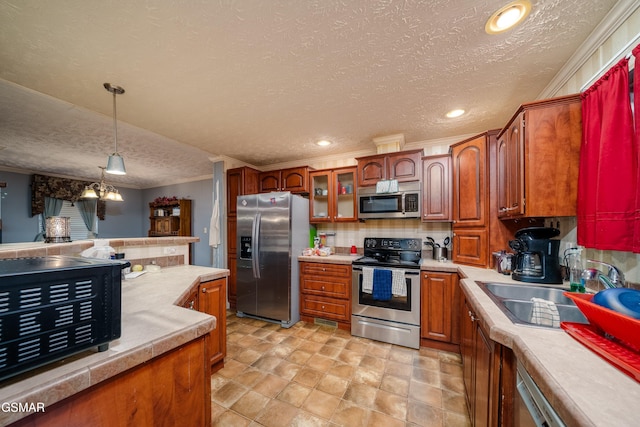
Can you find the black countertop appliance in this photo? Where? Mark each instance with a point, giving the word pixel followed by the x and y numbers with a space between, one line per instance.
pixel 536 259
pixel 55 306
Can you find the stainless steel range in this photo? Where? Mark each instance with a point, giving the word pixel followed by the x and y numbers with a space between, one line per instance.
pixel 386 291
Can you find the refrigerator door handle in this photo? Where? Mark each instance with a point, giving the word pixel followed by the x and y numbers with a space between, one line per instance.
pixel 255 243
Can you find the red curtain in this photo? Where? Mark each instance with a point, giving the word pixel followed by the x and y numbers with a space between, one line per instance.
pixel 608 176
pixel 636 112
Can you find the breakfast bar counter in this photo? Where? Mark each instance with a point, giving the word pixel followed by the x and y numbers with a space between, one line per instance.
pixel 153 328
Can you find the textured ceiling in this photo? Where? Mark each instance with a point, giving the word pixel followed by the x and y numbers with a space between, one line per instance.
pixel 261 80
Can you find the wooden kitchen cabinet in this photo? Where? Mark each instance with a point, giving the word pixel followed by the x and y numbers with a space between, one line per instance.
pixel 471 200
pixel 477 230
pixel 295 180
pixel 175 221
pixel 538 158
pixel 325 293
pixel 171 389
pixel 403 166
pixel 470 182
pixel 439 315
pixel 487 371
pixel 240 181
pixel 212 299
pixel 436 188
pixel 339 202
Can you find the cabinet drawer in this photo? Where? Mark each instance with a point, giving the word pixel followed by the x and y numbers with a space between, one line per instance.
pixel 324 270
pixel 329 287
pixel 325 307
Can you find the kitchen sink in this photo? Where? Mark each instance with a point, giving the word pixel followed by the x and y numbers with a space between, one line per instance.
pixel 515 301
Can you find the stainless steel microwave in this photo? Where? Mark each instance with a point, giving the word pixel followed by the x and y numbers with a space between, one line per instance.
pixel 405 203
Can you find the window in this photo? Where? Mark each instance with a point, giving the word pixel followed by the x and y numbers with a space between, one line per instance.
pixel 79 231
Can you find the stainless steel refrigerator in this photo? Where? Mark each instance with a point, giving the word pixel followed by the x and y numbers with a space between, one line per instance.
pixel 273 229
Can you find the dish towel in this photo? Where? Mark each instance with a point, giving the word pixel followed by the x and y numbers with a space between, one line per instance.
pixel 381 284
pixel 545 313
pixel 398 283
pixel 214 224
pixel 367 280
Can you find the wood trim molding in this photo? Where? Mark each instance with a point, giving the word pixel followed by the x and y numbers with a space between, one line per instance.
pixel 620 12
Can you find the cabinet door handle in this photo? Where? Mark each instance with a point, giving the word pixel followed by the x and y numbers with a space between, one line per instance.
pixel 426 276
pixel 323 307
pixel 322 288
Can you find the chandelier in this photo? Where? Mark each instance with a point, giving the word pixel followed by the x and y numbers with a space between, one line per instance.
pixel 115 165
pixel 101 190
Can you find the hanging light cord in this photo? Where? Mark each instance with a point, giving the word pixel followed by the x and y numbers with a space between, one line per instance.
pixel 115 123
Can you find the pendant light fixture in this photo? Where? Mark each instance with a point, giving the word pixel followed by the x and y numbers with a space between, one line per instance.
pixel 101 190
pixel 115 165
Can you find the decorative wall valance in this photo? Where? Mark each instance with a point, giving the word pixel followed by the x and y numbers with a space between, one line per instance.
pixel 60 188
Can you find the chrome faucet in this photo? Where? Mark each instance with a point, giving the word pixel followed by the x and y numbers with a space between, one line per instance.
pixel 613 279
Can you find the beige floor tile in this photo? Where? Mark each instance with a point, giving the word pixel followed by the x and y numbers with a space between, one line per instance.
pixel 395 385
pixel 249 377
pixel 373 363
pixel 427 376
pixel 381 419
pixel 307 376
pixel 320 362
pixel 305 419
pixel 295 394
pixel 398 369
pixel 228 394
pixel 321 404
pixel 361 394
pixel 452 419
pixel 333 385
pixel 452 383
pixel 350 414
pixel 315 375
pixel 250 404
pixel 425 393
pixel 230 419
pixel 367 376
pixel 342 370
pixel 424 415
pixel 277 414
pixel 391 404
pixel 299 356
pixel 248 356
pixel 270 385
pixel 287 370
pixel 454 402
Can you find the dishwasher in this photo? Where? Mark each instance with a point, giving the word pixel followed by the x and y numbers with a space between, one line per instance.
pixel 531 407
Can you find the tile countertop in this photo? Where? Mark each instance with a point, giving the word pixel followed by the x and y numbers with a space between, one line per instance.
pixel 151 325
pixel 582 387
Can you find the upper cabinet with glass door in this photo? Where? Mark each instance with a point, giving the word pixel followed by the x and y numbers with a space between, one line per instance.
pixel 332 196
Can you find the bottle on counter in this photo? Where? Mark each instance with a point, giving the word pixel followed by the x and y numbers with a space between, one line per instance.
pixel 574 264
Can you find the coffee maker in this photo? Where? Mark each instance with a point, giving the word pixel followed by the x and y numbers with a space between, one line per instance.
pixel 536 258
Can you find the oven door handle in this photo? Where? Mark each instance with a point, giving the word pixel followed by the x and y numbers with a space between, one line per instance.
pixel 407 272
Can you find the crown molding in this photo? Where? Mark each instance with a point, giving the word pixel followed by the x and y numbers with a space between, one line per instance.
pixel 618 14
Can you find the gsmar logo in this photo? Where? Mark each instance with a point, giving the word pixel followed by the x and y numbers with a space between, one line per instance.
pixel 22 407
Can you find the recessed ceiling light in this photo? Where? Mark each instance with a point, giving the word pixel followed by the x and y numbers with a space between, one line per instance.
pixel 323 143
pixel 454 113
pixel 508 16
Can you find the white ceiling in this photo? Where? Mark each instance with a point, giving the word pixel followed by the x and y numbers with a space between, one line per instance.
pixel 261 80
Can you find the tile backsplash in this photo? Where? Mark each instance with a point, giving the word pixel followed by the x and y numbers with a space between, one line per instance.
pixel 348 234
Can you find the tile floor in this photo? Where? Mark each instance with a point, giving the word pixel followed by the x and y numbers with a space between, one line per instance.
pixel 316 375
